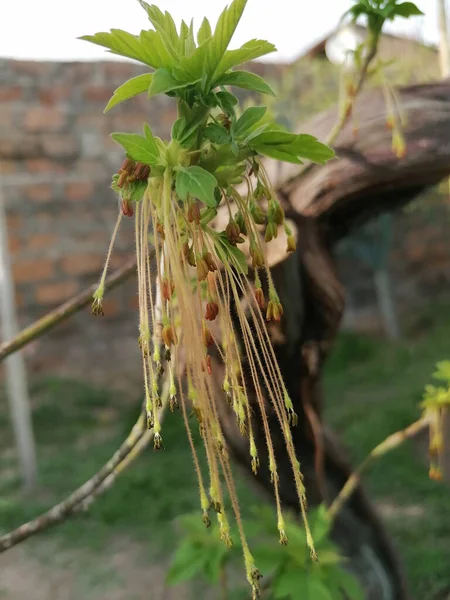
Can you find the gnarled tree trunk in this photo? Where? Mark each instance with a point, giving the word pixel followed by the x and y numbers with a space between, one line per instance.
pixel 326 204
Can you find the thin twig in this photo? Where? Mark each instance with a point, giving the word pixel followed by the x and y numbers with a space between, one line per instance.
pixel 64 311
pixel 60 511
pixel 344 117
pixel 391 442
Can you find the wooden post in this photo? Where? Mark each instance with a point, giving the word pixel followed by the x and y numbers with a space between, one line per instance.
pixel 16 379
pixel 444 44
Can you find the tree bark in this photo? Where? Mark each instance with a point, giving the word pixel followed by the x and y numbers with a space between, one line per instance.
pixel 326 204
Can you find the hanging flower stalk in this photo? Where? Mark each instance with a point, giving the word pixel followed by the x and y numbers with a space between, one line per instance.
pixel 174 189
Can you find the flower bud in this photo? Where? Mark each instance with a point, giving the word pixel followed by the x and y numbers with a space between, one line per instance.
pixel 168 288
pixel 274 311
pixel 210 261
pixel 257 256
pixel 233 233
pixel 259 297
pixel 97 308
pixel 202 269
pixel 258 215
pixel 278 214
pixel 212 310
pixel 271 232
pixel 239 218
pixel 291 244
pixel 168 335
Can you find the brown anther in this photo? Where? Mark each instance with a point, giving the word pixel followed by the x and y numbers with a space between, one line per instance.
pixel 122 179
pixel 168 335
pixel 157 441
pixel 167 355
pixel 127 207
pixel 193 215
pixel 205 518
pixel 210 261
pixel 141 171
pixel 207 337
pixel 160 230
pixel 259 297
pixel 212 310
pixel 168 288
pixel 159 369
pixel 150 420
pixel 127 165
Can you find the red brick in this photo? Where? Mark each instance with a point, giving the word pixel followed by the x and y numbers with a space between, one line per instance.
pixel 39 192
pixel 44 165
pixel 30 67
pixel 55 293
pixel 19 147
pixel 119 70
pixel 82 190
pixel 98 93
pixel 8 94
pixel 60 146
pixel 13 222
pixel 54 94
pixel 14 243
pixel 38 241
pixel 43 118
pixel 8 166
pixel 32 270
pixel 82 264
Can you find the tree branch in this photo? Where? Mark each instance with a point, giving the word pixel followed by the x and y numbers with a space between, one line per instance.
pixel 85 494
pixel 64 311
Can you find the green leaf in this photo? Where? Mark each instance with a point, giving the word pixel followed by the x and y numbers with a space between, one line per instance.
pixel 407 9
pixel 442 371
pixel 269 556
pixel 249 51
pixel 156 50
pixel 198 183
pixel 129 89
pixel 249 119
pixel 246 81
pixel 348 584
pixel 224 31
pixel 189 561
pixel 290 582
pixel 226 101
pixel 165 25
pixel 164 82
pixel 317 590
pixel 205 32
pixel 231 255
pixel 124 44
pixel 321 524
pixel 136 190
pixel 217 134
pixel 289 147
pixel 138 147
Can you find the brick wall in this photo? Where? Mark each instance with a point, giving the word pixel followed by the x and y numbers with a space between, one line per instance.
pixel 56 164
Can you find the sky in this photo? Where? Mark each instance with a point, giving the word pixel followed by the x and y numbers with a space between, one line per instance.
pixel 47 29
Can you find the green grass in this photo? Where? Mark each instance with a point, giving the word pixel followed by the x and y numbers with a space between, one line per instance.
pixel 372 389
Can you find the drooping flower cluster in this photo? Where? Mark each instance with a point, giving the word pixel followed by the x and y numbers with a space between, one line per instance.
pixel 192 275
